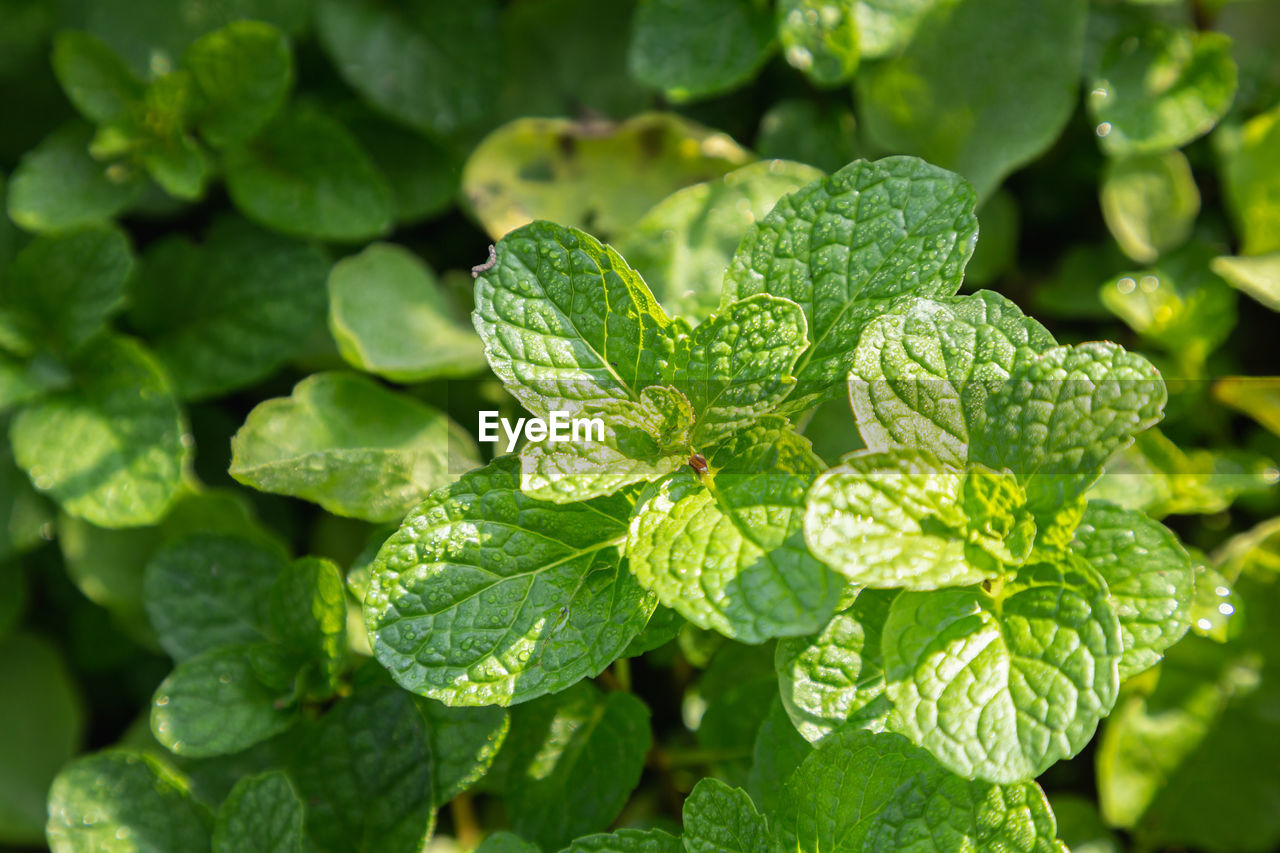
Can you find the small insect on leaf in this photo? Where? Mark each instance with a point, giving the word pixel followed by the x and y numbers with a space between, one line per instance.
pixel 698 463
pixel 487 265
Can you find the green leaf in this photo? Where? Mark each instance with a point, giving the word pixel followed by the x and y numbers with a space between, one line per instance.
pixel 886 26
pixel 642 441
pixel 124 467
pixel 1259 277
pixel 159 137
pixel 223 701
pixel 423 172
pixel 243 73
pixel 566 323
pixel 1149 575
pixel 1060 416
pixel 305 175
pixel 999 221
pixel 389 315
pixel 694 48
pixel 1180 305
pixel 536 603
pixel 506 842
pixel 464 744
pixel 63 288
pixel 922 372
pixel 263 813
pixel 820 39
pixel 984 86
pixel 205 591
pixel 44 721
pixel 1080 826
pixel 602 178
pixel 726 551
pixel 119 801
pixel 776 754
pixel 226 313
pixel 733 700
pixel 738 365
pixel 1160 88
pixel 892 519
pixel 823 135
pixel 626 841
pixel 684 243
pixel 424 62
pixel 720 818
pixel 350 445
pixel 365 771
pixel 838 674
pixel 581 745
pixel 1256 396
pixel 999 687
pixel 1252 182
pixel 1149 202
pixel 95 79
pixel 308 614
pixel 914 227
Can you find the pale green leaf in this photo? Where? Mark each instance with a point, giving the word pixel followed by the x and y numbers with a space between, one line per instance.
pixel 983 87
pixel 486 596
pixel 1150 577
pixel 1252 182
pixel 120 801
pixel 838 674
pixel 1159 88
pixel 922 372
pixel 227 312
pixel 1000 686
pixel 726 550
pixel 695 48
pixel 350 445
pixel 846 247
pixel 1259 277
pixel 124 467
pixel 719 818
pixel 601 178
pixel 580 746
pixel 423 62
pixel 243 73
pixel 1256 396
pixel 389 316
pixel 263 814
pixel 684 243
pixel 219 702
pixel 1149 203
pixel 305 175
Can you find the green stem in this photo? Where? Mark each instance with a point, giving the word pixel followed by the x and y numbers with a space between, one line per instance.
pixel 622 671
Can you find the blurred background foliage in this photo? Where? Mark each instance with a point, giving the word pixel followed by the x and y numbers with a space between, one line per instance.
pixel 211 201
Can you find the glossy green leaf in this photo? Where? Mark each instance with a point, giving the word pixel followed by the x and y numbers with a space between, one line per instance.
pixel 579 744
pixel 227 312
pixel 44 720
pixel 1159 88
pixel 819 39
pixel 719 818
pixel 600 177
pixel 124 467
pixel 846 247
pixel 999 687
pixel 726 550
pixel 243 73
pixel 262 813
pixel 389 316
pixel 63 288
pixel 538 602
pixel 922 372
pixel 423 62
pixel 464 744
pixel 837 675
pixel 683 245
pixel 305 175
pixel 95 79
pixel 350 445
pixel 983 87
pixel 1149 575
pixel 365 771
pixel 1149 203
pixel 119 801
pixel 308 614
pixel 222 701
pixel 205 591
pixel 694 48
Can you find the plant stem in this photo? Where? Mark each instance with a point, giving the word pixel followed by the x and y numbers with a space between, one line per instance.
pixel 622 671
pixel 465 827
